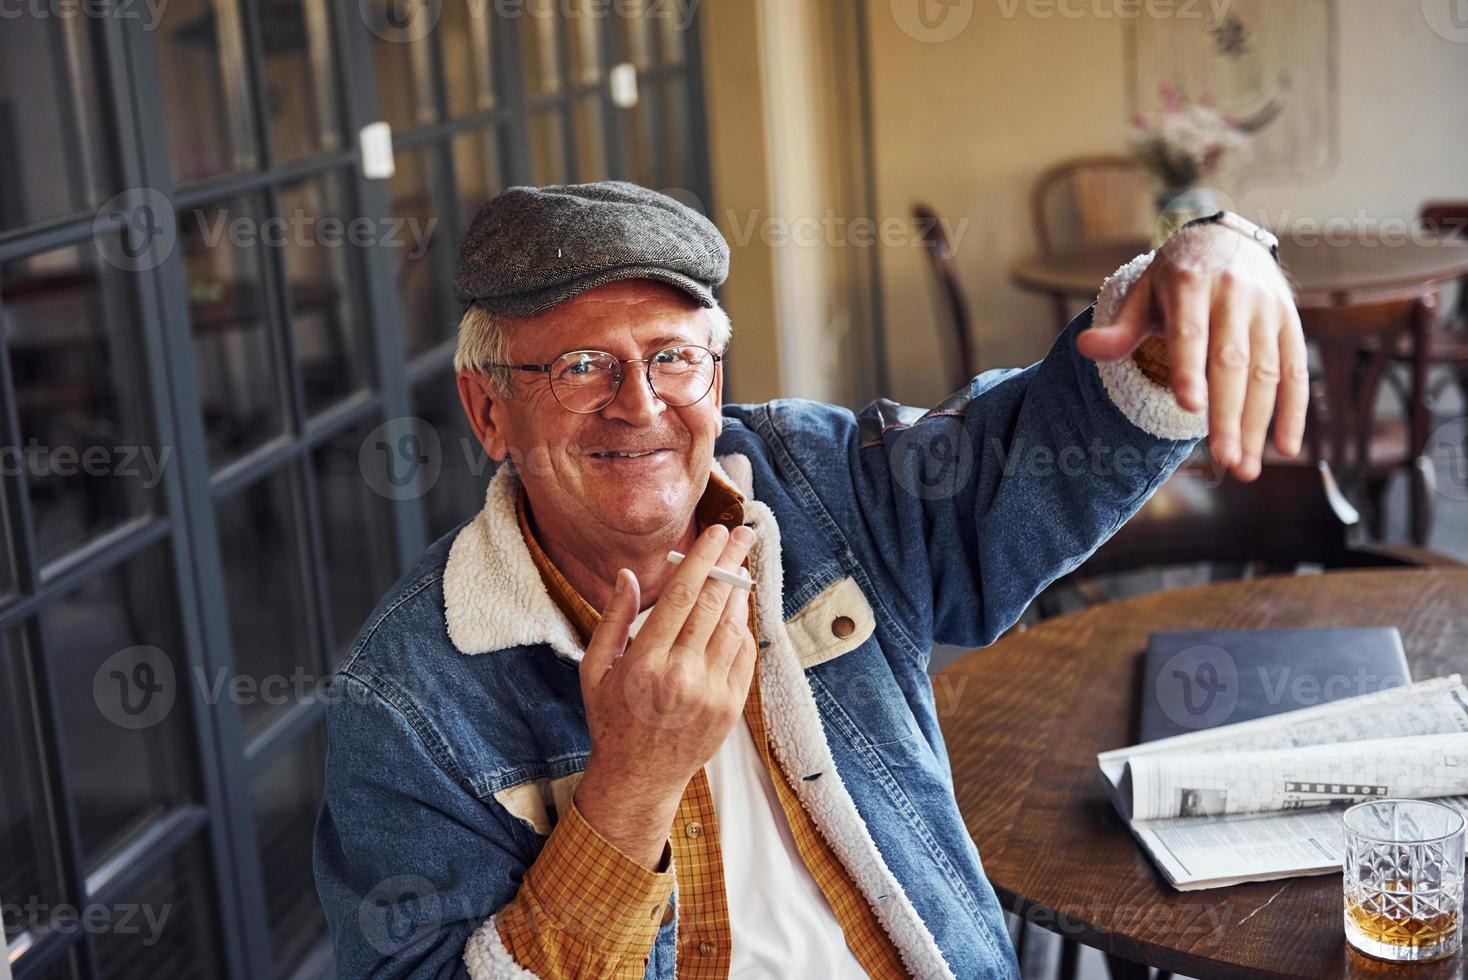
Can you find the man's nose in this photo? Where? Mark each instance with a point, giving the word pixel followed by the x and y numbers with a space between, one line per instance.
pixel 635 404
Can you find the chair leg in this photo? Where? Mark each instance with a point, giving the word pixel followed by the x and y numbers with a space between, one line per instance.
pixel 1121 969
pixel 1373 499
pixel 1424 489
pixel 1070 952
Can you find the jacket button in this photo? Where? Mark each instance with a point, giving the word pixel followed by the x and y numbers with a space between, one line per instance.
pixel 707 948
pixel 693 829
pixel 843 626
pixel 667 913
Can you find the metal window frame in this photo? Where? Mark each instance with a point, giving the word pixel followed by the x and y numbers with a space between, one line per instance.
pixel 137 154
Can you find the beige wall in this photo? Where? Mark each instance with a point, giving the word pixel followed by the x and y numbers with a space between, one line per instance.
pixel 967 123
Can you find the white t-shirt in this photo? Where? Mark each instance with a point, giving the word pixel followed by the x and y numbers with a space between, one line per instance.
pixel 780 921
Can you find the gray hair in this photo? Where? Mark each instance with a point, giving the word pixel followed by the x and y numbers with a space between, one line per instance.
pixel 484 339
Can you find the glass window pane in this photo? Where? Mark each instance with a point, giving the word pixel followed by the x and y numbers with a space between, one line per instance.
pixel 477 170
pixel 673 26
pixel 87 452
pixel 632 24
pixel 583 24
pixel 547 148
pixel 402 38
pixel 330 333
pixel 539 61
pixel 206 89
pixel 297 55
pixel 180 941
pixel 423 277
pixel 285 797
pixel 591 155
pixel 357 519
pixel 265 586
pixel 458 492
pixel 50 120
pixel 229 313
pixel 124 699
pixel 64 968
pixel 28 858
pixel 677 141
pixel 465 26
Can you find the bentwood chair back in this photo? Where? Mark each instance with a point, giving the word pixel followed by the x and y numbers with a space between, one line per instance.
pixel 952 303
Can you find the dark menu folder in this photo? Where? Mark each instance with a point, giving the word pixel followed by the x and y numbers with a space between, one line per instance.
pixel 1196 679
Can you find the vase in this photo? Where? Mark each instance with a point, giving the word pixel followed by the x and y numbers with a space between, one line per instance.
pixel 1176 206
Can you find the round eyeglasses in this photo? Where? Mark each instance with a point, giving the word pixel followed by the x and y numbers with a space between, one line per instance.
pixel 587 381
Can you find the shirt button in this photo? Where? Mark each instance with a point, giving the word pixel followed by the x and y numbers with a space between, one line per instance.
pixel 657 912
pixel 667 914
pixel 843 626
pixel 707 948
pixel 693 829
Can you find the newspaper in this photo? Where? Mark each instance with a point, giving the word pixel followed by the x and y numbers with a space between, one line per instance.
pixel 1261 799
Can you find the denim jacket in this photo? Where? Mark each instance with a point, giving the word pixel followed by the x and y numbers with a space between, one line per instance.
pixel 458 727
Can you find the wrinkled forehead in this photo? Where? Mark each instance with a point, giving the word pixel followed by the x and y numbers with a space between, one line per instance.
pixel 624 318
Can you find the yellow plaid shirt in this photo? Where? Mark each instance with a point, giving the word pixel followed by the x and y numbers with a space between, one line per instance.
pixel 545 926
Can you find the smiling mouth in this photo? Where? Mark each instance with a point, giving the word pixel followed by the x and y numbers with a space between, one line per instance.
pixel 626 454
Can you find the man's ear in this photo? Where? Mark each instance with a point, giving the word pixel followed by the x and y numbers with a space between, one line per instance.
pixel 718 394
pixel 480 408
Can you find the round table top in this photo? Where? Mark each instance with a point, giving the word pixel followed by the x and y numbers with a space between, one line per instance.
pixel 1025 718
pixel 1323 272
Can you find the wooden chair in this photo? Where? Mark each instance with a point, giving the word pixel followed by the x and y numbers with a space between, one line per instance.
pixel 944 268
pixel 1356 344
pixel 1447 339
pixel 1090 200
pixel 1291 516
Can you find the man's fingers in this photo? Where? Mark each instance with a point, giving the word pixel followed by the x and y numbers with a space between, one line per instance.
pixel 1294 386
pixel 680 595
pixel 1132 325
pixel 1228 376
pixel 714 597
pixel 1185 303
pixel 610 638
pixel 1264 374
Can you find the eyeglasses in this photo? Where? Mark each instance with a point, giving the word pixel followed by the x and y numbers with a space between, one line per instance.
pixel 587 381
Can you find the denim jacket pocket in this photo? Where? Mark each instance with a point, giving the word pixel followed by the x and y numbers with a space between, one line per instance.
pixel 539 803
pixel 838 620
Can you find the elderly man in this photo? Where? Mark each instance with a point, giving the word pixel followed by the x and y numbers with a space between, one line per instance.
pixel 703 779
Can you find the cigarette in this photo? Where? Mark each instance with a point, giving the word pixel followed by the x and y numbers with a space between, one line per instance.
pixel 718 574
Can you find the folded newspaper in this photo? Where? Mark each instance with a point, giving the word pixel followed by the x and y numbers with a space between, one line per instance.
pixel 1262 799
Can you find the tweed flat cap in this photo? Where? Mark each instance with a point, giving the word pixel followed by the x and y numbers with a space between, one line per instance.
pixel 532 248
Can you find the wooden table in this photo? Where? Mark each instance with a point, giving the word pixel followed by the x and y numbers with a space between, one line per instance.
pixel 1025 718
pixel 1324 273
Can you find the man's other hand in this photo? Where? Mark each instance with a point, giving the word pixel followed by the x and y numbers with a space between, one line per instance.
pixel 1233 338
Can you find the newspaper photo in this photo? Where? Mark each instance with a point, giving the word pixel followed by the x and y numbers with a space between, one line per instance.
pixel 1262 799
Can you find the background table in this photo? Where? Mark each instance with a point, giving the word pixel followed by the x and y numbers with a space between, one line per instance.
pixel 1324 274
pixel 1025 718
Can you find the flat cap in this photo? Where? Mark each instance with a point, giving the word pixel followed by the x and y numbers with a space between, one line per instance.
pixel 533 248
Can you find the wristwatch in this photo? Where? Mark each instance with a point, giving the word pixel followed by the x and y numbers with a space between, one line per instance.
pixel 1243 226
